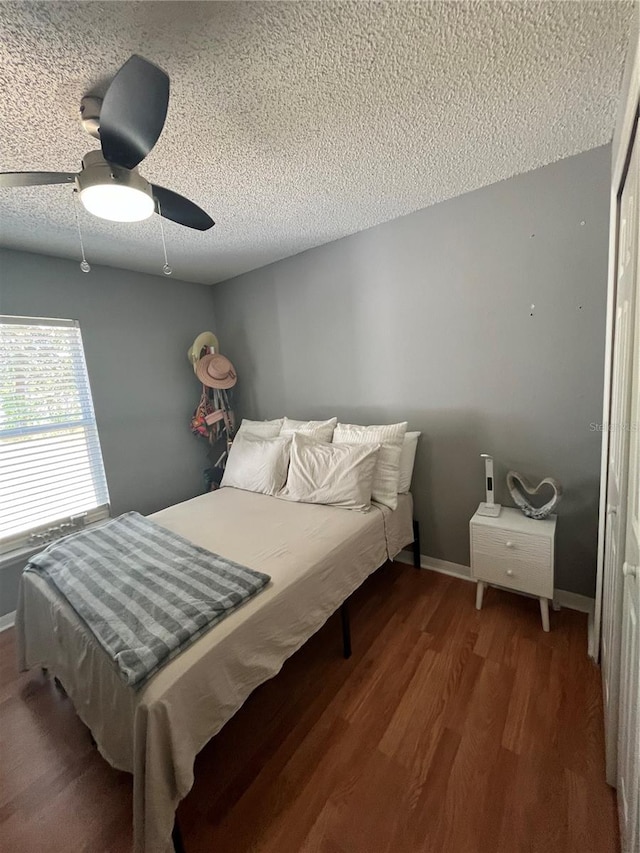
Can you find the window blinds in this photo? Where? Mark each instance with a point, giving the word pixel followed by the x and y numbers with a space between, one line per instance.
pixel 50 461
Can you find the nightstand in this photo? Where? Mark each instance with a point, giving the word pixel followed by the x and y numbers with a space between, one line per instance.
pixel 514 552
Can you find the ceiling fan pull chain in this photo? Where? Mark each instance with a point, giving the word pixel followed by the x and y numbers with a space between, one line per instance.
pixel 84 263
pixel 166 269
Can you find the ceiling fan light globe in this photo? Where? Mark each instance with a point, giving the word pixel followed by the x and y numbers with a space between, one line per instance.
pixel 111 192
pixel 117 202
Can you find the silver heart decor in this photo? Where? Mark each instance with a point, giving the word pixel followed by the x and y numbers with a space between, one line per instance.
pixel 516 484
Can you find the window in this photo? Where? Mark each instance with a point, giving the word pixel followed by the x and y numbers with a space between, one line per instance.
pixel 50 462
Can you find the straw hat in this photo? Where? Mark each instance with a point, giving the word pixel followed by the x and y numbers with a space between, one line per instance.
pixel 216 371
pixel 204 339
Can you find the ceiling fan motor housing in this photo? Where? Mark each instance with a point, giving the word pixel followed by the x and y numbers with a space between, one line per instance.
pixel 96 170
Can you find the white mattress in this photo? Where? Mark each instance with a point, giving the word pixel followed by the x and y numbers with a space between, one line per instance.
pixel 316 557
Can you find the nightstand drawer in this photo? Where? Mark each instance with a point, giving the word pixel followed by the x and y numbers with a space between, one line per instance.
pixel 519 561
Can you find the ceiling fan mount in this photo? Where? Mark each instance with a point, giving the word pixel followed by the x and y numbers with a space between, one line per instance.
pixel 128 122
pixel 90 107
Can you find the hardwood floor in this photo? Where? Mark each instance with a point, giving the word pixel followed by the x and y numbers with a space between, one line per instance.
pixel 448 731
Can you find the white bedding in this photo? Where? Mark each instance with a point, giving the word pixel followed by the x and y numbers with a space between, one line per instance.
pixel 316 556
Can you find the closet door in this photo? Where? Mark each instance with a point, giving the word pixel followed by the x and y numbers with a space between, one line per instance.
pixel 618 479
pixel 629 695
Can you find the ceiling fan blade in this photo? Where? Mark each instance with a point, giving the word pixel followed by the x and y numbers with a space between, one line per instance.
pixel 180 209
pixel 35 179
pixel 133 112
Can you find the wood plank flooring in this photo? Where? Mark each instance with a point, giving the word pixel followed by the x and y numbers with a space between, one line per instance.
pixel 448 731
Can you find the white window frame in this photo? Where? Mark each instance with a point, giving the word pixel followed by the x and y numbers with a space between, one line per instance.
pixel 29 540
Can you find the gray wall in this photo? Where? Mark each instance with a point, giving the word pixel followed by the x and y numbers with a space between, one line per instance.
pixel 428 318
pixel 136 330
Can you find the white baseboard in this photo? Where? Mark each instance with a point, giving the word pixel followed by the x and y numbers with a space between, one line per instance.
pixel 574 601
pixel 443 567
pixel 7 621
pixel 561 597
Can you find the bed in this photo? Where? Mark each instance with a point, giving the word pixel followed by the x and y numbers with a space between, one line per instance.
pixel 316 557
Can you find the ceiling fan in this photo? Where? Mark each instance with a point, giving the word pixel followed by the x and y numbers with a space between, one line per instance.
pixel 128 123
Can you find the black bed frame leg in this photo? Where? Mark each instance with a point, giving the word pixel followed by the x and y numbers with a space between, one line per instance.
pixel 416 544
pixel 346 630
pixel 176 837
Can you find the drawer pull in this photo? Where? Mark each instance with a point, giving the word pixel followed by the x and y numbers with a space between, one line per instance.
pixel 629 571
pixel 510 572
pixel 509 544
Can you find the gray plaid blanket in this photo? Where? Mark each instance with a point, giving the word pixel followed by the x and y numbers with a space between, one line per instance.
pixel 143 591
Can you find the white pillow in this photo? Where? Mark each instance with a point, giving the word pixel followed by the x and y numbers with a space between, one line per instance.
pixel 332 474
pixel 407 460
pixel 257 464
pixel 261 429
pixel 387 473
pixel 320 430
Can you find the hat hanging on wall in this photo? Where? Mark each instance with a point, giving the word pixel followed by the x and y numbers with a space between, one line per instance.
pixel 204 339
pixel 216 371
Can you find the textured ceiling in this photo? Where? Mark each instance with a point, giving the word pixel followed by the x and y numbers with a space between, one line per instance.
pixel 294 124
